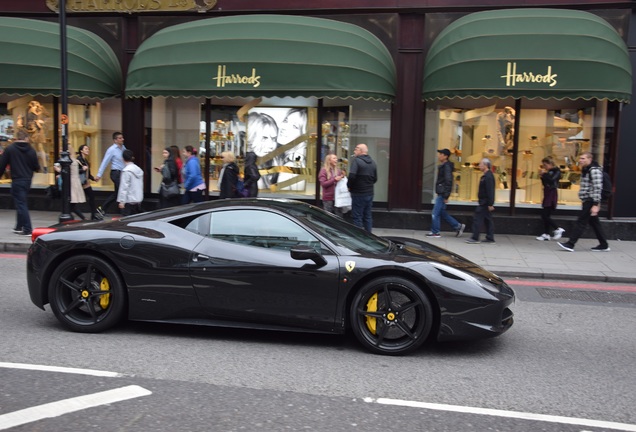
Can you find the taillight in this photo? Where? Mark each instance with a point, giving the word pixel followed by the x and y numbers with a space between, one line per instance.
pixel 37 232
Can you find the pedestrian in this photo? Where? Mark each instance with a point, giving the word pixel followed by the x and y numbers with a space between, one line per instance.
pixel 550 176
pixel 176 155
pixel 192 180
pixel 251 175
pixel 363 174
pixel 131 190
pixel 23 160
pixel 77 191
pixel 443 189
pixel 169 174
pixel 485 204
pixel 86 178
pixel 228 178
pixel 329 177
pixel 113 156
pixel 590 196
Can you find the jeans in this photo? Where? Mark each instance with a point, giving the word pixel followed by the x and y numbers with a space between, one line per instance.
pixel 439 212
pixel 585 218
pixel 483 215
pixel 115 176
pixel 19 191
pixel 192 197
pixel 329 206
pixel 361 211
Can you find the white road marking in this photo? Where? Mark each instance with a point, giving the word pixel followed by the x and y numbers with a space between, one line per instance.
pixel 60 369
pixel 56 409
pixel 509 414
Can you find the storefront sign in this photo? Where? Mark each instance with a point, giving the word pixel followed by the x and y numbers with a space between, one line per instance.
pixel 133 6
pixel 222 78
pixel 513 77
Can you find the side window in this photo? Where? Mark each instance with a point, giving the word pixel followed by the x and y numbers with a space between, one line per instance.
pixel 259 229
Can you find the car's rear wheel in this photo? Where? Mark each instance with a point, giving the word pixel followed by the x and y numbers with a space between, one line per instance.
pixel 391 316
pixel 87 294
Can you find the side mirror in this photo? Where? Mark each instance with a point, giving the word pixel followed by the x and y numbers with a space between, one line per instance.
pixel 302 253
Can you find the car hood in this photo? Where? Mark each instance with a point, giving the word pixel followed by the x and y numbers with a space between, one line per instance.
pixel 411 249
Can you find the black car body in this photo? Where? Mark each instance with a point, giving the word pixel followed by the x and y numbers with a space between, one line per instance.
pixel 267 264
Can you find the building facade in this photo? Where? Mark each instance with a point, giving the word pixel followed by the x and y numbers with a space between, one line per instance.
pixel 292 83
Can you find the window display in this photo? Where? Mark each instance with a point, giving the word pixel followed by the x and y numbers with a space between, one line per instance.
pixel 472 134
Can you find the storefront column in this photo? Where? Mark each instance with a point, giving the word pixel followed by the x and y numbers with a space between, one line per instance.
pixel 407 117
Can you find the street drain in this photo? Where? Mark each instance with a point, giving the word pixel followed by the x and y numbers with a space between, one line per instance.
pixel 588 296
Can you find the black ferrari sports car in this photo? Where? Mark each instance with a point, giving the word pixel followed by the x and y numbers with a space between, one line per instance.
pixel 266 264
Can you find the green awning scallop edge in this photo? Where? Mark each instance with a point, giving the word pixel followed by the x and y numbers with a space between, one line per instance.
pixel 30 61
pixel 263 55
pixel 528 53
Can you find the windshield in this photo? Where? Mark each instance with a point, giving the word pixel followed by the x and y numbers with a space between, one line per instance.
pixel 340 232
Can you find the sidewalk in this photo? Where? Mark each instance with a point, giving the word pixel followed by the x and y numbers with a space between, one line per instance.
pixel 511 256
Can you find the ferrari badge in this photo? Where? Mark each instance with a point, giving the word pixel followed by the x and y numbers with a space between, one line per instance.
pixel 350 265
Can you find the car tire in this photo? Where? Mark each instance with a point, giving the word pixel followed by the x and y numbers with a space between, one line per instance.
pixel 391 316
pixel 87 295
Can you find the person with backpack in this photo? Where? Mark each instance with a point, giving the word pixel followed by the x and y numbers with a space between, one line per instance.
pixel 590 193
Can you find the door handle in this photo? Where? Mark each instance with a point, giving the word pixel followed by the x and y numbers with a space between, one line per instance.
pixel 200 257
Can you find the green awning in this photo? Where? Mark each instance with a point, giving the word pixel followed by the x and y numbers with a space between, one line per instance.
pixel 528 53
pixel 262 55
pixel 30 61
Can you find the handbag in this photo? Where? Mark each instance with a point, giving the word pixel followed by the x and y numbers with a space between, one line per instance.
pixel 83 178
pixel 170 190
pixel 342 197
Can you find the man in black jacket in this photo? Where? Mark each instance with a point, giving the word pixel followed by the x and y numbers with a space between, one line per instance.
pixel 24 162
pixel 362 176
pixel 443 189
pixel 486 204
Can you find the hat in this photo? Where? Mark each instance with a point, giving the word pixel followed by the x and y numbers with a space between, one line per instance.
pixel 444 152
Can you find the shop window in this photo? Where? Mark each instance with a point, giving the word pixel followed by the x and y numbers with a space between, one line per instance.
pixel 488 131
pixel 36 116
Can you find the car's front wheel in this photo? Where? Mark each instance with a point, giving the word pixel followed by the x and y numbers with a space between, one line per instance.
pixel 391 316
pixel 87 294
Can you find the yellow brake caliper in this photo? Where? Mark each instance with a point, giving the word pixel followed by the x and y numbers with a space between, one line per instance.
pixel 372 306
pixel 104 300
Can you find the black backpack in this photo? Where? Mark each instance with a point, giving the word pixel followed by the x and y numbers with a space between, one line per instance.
pixel 606 190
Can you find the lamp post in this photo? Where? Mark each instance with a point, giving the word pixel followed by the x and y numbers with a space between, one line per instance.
pixel 65 160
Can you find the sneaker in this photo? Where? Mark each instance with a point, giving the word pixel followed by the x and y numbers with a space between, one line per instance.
pixel 600 248
pixel 17 230
pixel 25 233
pixel 433 235
pixel 460 230
pixel 545 237
pixel 567 246
pixel 101 211
pixel 489 241
pixel 557 234
pixel 472 241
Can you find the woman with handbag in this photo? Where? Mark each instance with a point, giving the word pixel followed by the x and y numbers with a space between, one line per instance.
pixel 169 194
pixel 85 178
pixel 77 191
pixel 329 176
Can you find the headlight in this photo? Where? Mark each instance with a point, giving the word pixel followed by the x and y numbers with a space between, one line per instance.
pixel 454 273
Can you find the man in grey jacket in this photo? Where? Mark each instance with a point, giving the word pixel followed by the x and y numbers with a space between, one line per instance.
pixel 131 186
pixel 362 176
pixel 443 189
